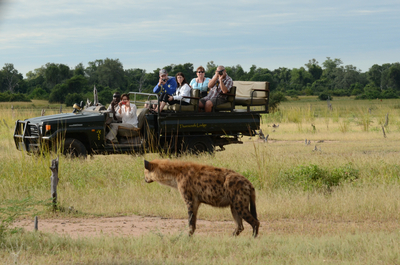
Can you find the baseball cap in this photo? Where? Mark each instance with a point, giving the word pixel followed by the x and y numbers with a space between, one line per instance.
pixel 163 72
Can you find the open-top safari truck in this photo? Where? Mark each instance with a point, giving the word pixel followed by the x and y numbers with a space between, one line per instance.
pixel 177 129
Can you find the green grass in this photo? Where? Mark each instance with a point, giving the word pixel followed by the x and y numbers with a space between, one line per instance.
pixel 114 185
pixel 356 248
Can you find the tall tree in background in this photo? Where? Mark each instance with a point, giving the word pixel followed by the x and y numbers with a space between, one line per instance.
pixel 394 76
pixel 11 77
pixel 314 69
pixel 136 79
pixel 108 73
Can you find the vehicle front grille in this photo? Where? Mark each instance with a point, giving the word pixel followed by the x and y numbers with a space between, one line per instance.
pixel 33 129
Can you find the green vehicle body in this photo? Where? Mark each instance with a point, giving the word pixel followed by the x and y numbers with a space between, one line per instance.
pixel 166 132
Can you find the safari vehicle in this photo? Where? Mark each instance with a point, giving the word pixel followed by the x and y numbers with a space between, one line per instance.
pixel 175 130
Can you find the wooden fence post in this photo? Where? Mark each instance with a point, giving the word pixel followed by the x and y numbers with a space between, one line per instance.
pixel 36 223
pixel 43 112
pixel 387 120
pixel 60 108
pixel 54 181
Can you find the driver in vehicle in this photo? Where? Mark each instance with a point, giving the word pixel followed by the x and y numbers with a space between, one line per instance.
pixel 113 107
pixel 127 112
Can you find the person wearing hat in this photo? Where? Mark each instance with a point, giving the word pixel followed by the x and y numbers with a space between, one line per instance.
pixel 166 86
pixel 113 107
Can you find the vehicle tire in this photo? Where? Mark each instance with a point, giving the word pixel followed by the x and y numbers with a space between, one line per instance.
pixel 74 148
pixel 202 144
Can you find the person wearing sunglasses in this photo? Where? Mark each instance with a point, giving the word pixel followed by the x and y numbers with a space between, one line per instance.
pixel 201 82
pixel 219 84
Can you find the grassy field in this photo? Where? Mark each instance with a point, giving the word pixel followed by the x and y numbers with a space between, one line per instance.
pixel 342 190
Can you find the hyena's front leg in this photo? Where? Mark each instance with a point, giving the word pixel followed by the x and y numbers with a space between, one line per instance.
pixel 192 206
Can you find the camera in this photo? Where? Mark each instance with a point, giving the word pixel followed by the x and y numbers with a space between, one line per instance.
pixel 123 103
pixel 164 80
pixel 221 72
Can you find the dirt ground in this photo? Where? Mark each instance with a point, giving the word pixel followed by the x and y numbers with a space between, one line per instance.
pixel 141 225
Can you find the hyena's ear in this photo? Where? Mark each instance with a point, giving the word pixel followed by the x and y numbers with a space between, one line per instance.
pixel 148 165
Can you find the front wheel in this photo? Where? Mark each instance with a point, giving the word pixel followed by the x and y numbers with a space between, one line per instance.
pixel 74 148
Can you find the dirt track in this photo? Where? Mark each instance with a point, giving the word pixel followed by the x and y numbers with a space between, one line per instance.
pixel 141 225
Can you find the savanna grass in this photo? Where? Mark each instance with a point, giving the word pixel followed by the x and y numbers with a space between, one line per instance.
pixel 347 248
pixel 113 185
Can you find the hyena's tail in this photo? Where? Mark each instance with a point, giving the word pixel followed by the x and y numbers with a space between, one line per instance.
pixel 253 210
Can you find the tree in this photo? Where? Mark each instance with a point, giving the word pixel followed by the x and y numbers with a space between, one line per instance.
pixel 210 69
pixel 58 93
pixel 108 72
pixel 314 69
pixel 136 79
pixel 300 78
pixel 77 84
pixel 79 70
pixel 11 77
pixel 394 76
pixel 187 69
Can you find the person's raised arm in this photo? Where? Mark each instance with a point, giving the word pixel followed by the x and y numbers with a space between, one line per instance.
pixel 214 80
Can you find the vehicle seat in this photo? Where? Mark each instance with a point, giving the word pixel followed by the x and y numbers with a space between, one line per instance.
pixel 252 94
pixel 194 102
pixel 134 131
pixel 230 104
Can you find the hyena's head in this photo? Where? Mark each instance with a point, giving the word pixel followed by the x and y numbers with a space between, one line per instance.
pixel 162 171
pixel 149 175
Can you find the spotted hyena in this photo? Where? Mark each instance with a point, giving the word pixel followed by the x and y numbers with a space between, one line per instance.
pixel 210 185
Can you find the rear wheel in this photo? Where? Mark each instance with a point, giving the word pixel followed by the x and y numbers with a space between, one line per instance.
pixel 200 144
pixel 74 148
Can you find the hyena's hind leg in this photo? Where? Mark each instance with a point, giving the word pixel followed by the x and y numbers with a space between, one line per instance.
pixel 251 220
pixel 238 221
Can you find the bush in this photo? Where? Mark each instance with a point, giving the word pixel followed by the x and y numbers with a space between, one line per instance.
pixel 70 99
pixel 292 93
pixel 389 94
pixel 274 100
pixel 356 91
pixel 314 178
pixel 340 92
pixel 325 96
pixel 58 94
pixel 39 93
pixel 105 97
pixel 17 97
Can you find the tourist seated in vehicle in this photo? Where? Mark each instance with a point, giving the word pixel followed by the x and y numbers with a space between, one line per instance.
pixel 201 82
pixel 127 112
pixel 113 107
pixel 220 83
pixel 183 90
pixel 166 86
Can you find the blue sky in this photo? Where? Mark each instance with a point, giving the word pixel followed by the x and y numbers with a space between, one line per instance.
pixel 154 33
